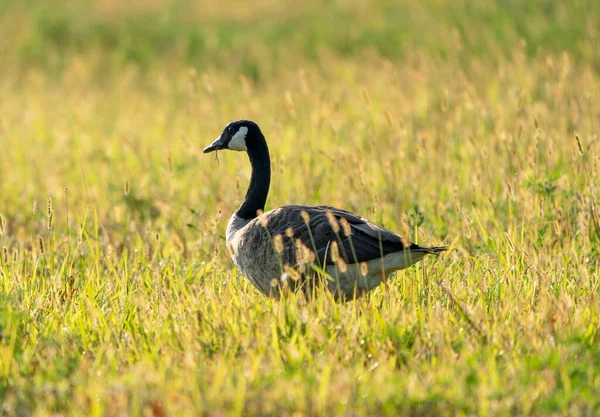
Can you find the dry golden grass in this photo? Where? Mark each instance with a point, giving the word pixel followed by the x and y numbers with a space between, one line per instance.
pixel 117 296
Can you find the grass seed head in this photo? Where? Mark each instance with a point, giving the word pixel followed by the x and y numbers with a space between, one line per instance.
pixel 405 242
pixel 170 161
pixel 289 232
pixel 303 254
pixel 49 207
pixel 126 188
pixel 305 216
pixel 41 245
pixel 308 255
pixel 2 224
pixel 278 243
pixel 332 221
pixel 178 244
pixel 346 227
pixel 291 273
pixel 579 144
pixel 334 252
pixel 510 191
pixel 364 269
pixel 35 206
pixel 342 265
pixel 388 118
pixel 299 246
pixel 262 218
pixel 50 220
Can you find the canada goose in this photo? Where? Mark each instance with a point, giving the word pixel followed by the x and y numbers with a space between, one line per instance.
pixel 357 254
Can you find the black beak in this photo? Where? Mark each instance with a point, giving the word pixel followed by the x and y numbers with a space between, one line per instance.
pixel 217 145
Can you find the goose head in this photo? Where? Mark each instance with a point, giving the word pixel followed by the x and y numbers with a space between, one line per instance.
pixel 237 136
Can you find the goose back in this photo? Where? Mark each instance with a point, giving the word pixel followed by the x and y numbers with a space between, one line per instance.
pixel 364 242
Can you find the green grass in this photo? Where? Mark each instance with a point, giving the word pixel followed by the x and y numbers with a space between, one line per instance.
pixel 469 124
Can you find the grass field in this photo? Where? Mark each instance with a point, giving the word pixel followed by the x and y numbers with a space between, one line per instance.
pixel 470 124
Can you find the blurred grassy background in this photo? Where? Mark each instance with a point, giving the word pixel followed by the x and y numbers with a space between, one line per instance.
pixel 256 39
pixel 469 123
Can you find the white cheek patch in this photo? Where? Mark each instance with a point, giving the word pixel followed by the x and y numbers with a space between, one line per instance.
pixel 238 141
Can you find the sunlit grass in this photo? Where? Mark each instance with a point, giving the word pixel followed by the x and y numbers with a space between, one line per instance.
pixel 117 294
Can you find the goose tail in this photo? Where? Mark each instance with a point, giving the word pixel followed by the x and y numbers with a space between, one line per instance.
pixel 432 250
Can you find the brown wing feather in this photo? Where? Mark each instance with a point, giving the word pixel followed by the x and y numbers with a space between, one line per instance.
pixel 367 241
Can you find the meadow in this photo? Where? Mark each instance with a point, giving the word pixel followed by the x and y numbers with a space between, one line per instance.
pixel 469 124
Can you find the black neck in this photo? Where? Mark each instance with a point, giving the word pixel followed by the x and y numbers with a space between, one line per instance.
pixel 256 196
